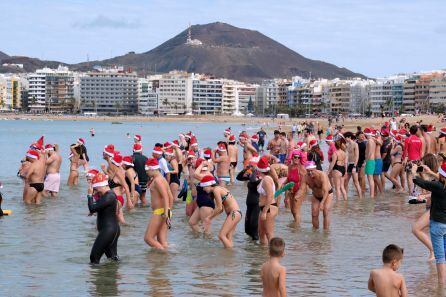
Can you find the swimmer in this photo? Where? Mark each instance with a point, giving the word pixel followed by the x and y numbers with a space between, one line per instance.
pixel 337 168
pixel 73 177
pixel 248 150
pixel 319 184
pixel 32 192
pixel 223 163
pixel 370 160
pixel 131 179
pixel 223 201
pixel 268 207
pixel 273 273
pixel 139 161
pixel 53 163
pixel 352 168
pixel 174 181
pixel 161 202
pixel 107 224
pixel 296 196
pixel 233 157
pixel 82 151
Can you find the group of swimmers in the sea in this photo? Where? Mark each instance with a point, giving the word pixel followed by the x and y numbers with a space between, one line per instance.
pixel 369 155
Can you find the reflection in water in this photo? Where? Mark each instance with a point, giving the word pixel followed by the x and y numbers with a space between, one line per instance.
pixel 157 278
pixel 104 278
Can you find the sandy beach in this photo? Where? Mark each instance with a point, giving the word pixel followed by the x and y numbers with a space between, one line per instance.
pixel 349 124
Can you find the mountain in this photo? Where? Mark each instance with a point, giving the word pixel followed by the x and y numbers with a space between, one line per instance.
pixel 3 56
pixel 226 51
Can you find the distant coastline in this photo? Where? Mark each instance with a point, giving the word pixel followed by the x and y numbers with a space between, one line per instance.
pixel 248 121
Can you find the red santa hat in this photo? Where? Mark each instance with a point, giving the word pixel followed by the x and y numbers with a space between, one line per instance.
pixel 176 143
pixel 189 135
pixel 38 145
pixel 254 160
pixel 128 161
pixel 243 136
pixel 167 144
pixel 442 169
pixel 430 128
pixel 402 132
pixel 393 133
pixel 207 181
pixel 190 154
pixel 137 137
pixel 99 180
pixel 207 153
pixel 221 148
pixel 137 148
pixel 32 154
pixel 255 138
pixel 109 150
pixel 49 147
pixel 329 138
pixel 81 141
pixel 92 172
pixel 198 162
pixel 169 152
pixel 231 138
pixel 263 164
pixel 369 132
pixel 228 131
pixel 398 138
pixel 117 159
pixel 443 131
pixel 157 150
pixel 310 165
pixel 193 141
pixel 313 143
pixel 152 164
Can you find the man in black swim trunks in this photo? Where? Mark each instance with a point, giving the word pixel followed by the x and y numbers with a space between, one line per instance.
pixel 322 198
pixel 32 192
pixel 139 161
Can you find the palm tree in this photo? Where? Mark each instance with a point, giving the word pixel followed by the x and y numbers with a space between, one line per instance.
pixel 117 106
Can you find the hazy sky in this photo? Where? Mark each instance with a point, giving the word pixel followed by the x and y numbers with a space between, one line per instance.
pixel 376 38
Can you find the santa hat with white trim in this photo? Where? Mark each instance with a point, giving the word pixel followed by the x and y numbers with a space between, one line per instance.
pixel 99 180
pixel 109 150
pixel 263 164
pixel 228 131
pixel 310 165
pixel 169 152
pixel 207 181
pixel 117 159
pixel 221 148
pixel 329 138
pixel 231 138
pixel 207 153
pixel 137 137
pixel 137 148
pixel 157 150
pixel 127 161
pixel 255 138
pixel 49 147
pixel 191 154
pixel 32 154
pixel 443 131
pixel 313 143
pixel 152 164
pixel 442 169
pixel 369 132
pixel 92 172
pixel 193 141
pixel 81 141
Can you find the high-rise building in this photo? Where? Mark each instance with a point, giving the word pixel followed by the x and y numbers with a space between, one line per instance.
pixel 11 91
pixel 339 94
pixel 174 91
pixel 207 95
pixel 51 90
pixel 421 94
pixel 437 91
pixel 147 98
pixel 111 91
pixel 409 95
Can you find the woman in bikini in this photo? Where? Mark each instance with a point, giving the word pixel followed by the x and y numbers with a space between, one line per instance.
pixel 73 178
pixel 338 167
pixel 174 181
pixel 397 165
pixel 430 172
pixel 131 179
pixel 116 182
pixel 205 204
pixel 223 201
pixel 268 206
pixel 295 196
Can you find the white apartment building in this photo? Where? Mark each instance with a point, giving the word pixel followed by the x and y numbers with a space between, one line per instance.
pixel 207 96
pixel 50 90
pixel 147 98
pixel 359 95
pixel 437 90
pixel 112 91
pixel 174 91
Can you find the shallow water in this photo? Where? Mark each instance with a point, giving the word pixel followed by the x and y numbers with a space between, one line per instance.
pixel 45 249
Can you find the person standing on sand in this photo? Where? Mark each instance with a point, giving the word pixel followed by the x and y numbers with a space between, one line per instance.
pixel 52 179
pixel 32 192
pixel 233 157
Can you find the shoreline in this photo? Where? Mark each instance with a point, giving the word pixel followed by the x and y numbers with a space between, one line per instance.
pixel 261 121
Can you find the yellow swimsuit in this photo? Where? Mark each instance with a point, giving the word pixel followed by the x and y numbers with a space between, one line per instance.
pixel 158 211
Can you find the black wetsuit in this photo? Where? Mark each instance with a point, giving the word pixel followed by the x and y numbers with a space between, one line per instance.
pixel 139 162
pixel 252 204
pixel 108 227
pixel 361 149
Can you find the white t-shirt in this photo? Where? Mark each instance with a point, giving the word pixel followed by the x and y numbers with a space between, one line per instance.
pixel 163 166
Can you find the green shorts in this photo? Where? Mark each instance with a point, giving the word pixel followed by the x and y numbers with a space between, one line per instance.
pixel 369 167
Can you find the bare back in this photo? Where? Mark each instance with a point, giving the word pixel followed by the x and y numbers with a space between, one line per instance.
pixel 387 283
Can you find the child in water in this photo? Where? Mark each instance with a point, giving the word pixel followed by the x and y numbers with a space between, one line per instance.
pixel 273 273
pixel 386 281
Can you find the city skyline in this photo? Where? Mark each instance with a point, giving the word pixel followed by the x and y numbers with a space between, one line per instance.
pixel 374 38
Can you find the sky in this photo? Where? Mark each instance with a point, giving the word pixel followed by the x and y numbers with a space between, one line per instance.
pixel 375 38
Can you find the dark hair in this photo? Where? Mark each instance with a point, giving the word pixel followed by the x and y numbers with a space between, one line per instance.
pixel 359 128
pixel 349 135
pixel 276 247
pixel 413 129
pixel 430 161
pixel 392 252
pixel 282 133
pixel 158 145
pixel 339 143
pixel 276 132
pixel 224 144
pixel 424 127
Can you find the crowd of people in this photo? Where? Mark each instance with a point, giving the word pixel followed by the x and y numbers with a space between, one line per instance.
pixel 409 156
